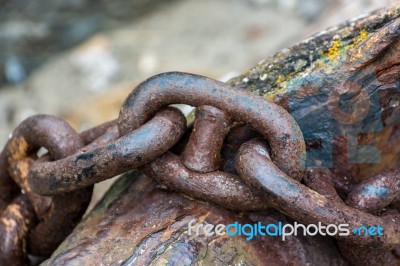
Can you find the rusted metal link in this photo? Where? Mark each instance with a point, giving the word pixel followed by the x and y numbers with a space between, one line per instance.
pixel 194 171
pixel 221 188
pixel 89 166
pixel 28 137
pixel 320 180
pixel 59 138
pixel 8 188
pixel 58 215
pixel 91 134
pixel 271 120
pixel 304 204
pixel 15 223
pixel 373 196
pixel 47 131
pixel 108 136
pixel 377 192
pixel 361 256
pixel 368 256
pixel 19 172
pixel 237 135
pixel 193 174
pixel 63 215
pixel 267 174
pixel 202 152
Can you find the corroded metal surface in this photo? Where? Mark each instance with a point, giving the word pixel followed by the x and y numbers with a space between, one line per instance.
pixel 15 224
pixel 202 152
pixel 148 226
pixel 304 204
pixel 320 180
pixel 272 121
pixel 237 135
pixel 324 207
pixel 58 215
pixel 224 189
pixel 8 188
pixel 368 257
pixel 90 166
pixel 308 80
pixel 19 172
pixel 88 136
pixel 377 192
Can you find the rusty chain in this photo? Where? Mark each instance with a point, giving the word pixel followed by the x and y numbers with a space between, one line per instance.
pixel 243 153
pixel 57 215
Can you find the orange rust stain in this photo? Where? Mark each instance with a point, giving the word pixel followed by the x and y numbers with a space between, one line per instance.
pixel 18 148
pixel 20 170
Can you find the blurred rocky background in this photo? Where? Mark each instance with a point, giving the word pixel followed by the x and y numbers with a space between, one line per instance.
pixel 79 59
pixel 31 32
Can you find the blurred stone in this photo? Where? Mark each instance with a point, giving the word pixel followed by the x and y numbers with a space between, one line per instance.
pixel 311 9
pixel 147 63
pixel 14 71
pixel 342 10
pixel 96 63
pixel 36 30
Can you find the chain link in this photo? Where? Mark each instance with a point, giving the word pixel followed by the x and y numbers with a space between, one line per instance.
pixel 242 153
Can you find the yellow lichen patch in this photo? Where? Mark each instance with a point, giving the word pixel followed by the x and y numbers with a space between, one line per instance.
pixel 328 61
pixel 271 94
pixel 334 51
pixel 279 80
pixel 338 47
pixel 281 88
pixel 361 37
pixel 18 148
